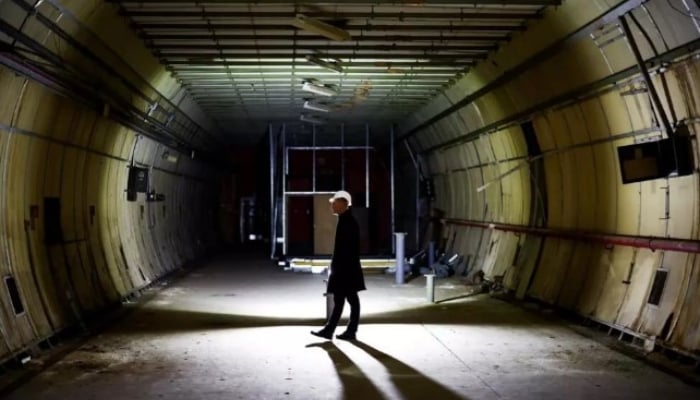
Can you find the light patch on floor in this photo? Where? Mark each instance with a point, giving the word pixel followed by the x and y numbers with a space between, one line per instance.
pixel 240 330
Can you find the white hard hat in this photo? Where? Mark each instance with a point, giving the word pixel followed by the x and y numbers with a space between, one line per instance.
pixel 342 194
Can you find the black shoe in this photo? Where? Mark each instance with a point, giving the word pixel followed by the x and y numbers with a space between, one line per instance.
pixel 323 334
pixel 346 336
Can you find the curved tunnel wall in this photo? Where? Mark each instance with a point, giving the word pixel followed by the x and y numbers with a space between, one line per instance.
pixel 572 83
pixel 69 239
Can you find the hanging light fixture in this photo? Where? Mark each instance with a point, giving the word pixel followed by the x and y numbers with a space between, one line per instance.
pixel 334 65
pixel 313 25
pixel 319 89
pixel 311 119
pixel 315 106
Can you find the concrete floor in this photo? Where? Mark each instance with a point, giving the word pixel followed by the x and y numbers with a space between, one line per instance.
pixel 239 329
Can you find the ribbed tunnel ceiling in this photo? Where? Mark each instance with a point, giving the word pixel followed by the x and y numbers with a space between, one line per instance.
pixel 246 63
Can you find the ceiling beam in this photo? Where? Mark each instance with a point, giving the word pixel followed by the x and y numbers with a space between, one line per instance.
pixel 250 27
pixel 197 71
pixel 374 2
pixel 185 64
pixel 310 47
pixel 457 14
pixel 207 35
pixel 197 57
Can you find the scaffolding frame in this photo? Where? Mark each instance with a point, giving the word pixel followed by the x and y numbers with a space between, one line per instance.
pixel 281 143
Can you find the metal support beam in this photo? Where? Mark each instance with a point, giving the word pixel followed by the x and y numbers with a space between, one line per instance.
pixel 392 161
pixel 400 3
pixel 414 161
pixel 249 27
pixel 285 171
pixel 342 156
pixel 273 225
pixel 348 13
pixel 367 165
pixel 197 56
pixel 313 158
pixel 565 97
pixel 244 36
pixel 218 47
pixel 531 62
pixel 661 113
pixel 329 147
pixel 201 65
pixel 308 193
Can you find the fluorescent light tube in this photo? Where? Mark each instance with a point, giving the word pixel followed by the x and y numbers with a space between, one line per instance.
pixel 321 90
pixel 313 25
pixel 311 119
pixel 315 107
pixel 332 65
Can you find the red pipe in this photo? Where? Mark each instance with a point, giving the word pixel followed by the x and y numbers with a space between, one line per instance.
pixel 645 242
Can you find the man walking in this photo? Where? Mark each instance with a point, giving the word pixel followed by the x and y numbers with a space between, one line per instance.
pixel 346 277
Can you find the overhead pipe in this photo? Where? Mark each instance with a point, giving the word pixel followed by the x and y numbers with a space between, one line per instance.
pixel 642 242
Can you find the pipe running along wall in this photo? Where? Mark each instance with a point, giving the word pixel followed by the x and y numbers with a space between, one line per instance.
pixel 528 140
pixel 82 100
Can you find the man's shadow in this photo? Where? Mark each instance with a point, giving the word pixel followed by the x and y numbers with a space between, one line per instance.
pixel 411 383
pixel 355 383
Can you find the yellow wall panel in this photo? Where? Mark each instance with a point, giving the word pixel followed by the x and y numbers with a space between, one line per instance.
pixel 645 263
pixel 653 202
pixel 654 318
pixel 683 207
pixel 554 262
pixel 577 271
pixel 598 268
pixel 52 174
pixel 640 110
pixel 585 189
pixel 614 290
pixel 616 113
pixel 686 332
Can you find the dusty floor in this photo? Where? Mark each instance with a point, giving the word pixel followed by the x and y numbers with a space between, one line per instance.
pixel 239 329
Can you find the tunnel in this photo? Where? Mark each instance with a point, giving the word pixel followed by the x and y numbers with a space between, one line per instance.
pixel 523 173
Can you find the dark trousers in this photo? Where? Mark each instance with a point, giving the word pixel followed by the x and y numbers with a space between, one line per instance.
pixel 338 304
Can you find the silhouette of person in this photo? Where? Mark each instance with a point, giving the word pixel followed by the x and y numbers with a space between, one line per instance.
pixel 346 278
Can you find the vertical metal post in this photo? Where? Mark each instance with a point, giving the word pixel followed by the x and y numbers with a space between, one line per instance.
pixel 400 245
pixel 431 254
pixel 313 158
pixel 430 288
pixel 342 156
pixel 367 165
pixel 285 170
pixel 417 219
pixel 392 184
pixel 273 236
pixel 416 166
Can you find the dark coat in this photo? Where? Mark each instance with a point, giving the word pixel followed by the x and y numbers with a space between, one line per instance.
pixel 346 271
